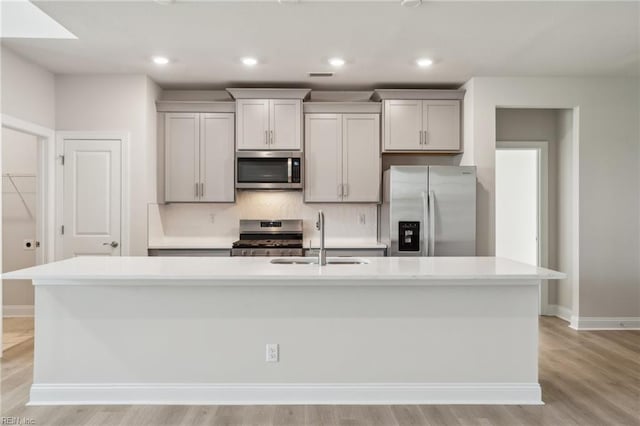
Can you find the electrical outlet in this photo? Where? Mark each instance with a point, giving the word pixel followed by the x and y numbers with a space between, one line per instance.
pixel 362 219
pixel 29 244
pixel 273 352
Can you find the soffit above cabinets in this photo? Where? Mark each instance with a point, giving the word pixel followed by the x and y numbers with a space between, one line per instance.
pixel 195 106
pixel 441 94
pixel 340 95
pixel 268 93
pixel 196 95
pixel 342 107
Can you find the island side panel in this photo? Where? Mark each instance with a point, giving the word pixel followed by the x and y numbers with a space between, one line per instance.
pixel 459 332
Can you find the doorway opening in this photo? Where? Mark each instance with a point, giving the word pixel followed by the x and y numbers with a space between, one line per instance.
pixel 27 203
pixel 536 197
pixel 21 218
pixel 522 205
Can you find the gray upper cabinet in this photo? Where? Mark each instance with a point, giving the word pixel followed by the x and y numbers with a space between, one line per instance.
pixel 269 124
pixel 199 157
pixel 421 125
pixel 342 158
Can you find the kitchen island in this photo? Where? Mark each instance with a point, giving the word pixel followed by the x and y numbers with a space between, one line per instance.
pixel 154 330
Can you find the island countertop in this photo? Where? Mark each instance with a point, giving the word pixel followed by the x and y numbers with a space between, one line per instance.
pixel 419 270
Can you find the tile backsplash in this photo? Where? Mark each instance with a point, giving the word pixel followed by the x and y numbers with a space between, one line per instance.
pixel 217 224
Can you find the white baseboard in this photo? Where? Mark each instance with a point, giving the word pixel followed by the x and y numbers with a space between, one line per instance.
pixel 17 310
pixel 605 323
pixel 560 312
pixel 277 394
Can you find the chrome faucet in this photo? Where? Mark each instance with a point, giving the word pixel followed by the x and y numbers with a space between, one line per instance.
pixel 322 253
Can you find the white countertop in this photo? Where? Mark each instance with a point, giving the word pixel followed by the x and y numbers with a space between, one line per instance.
pixel 411 270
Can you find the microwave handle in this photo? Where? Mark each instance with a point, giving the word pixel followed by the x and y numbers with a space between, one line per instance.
pixel 289 169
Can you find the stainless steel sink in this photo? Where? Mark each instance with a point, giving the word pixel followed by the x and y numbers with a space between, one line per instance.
pixel 314 261
pixel 347 261
pixel 294 261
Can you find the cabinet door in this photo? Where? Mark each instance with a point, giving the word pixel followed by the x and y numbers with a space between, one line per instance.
pixel 441 123
pixel 361 157
pixel 402 125
pixel 252 123
pixel 285 122
pixel 182 136
pixel 217 157
pixel 323 158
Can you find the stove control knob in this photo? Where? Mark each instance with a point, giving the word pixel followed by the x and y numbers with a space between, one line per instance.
pixel 244 252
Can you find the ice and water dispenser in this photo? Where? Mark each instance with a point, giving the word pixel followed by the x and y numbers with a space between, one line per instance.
pixel 409 236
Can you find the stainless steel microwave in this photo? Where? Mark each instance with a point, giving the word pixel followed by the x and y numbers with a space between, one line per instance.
pixel 269 170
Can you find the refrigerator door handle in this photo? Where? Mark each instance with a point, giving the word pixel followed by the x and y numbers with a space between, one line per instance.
pixel 432 223
pixel 424 242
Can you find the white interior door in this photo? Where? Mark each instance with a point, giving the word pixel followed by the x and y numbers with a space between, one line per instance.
pixel 92 197
pixel 517 205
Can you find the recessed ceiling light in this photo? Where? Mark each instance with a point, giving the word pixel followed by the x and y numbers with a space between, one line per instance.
pixel 336 62
pixel 249 61
pixel 411 3
pixel 424 62
pixel 160 60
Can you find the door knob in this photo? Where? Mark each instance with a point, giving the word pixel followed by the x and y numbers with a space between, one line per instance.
pixel 113 244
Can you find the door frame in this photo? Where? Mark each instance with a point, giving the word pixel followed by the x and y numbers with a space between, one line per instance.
pixel 125 211
pixel 542 147
pixel 45 202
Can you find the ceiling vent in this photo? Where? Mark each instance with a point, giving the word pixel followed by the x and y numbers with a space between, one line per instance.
pixel 321 74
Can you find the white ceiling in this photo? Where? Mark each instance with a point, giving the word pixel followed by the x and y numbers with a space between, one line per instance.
pixel 379 40
pixel 22 19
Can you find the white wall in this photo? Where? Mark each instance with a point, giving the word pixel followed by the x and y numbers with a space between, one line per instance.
pixel 608 167
pixel 19 156
pixel 116 103
pixel 217 224
pixel 28 90
pixel 566 291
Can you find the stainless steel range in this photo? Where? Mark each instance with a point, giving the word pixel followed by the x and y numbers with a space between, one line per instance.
pixel 269 238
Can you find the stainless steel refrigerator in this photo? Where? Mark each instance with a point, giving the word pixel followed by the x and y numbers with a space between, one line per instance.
pixel 429 211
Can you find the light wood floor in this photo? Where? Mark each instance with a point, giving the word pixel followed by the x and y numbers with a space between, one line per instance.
pixel 16 330
pixel 588 378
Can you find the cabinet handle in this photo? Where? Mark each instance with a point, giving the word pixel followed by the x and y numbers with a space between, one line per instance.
pixel 266 137
pixel 426 137
pixel 196 189
pixel 202 189
pixel 271 137
pixel 420 135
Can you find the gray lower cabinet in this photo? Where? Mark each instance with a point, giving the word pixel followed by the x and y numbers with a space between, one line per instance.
pixel 367 252
pixel 190 252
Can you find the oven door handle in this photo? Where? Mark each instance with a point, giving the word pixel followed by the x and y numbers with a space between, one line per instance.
pixel 289 168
